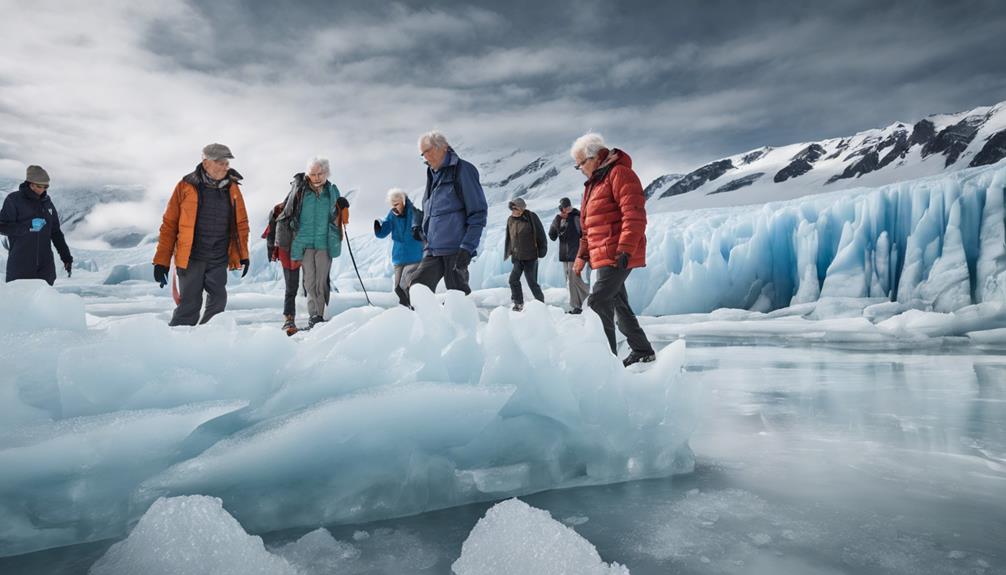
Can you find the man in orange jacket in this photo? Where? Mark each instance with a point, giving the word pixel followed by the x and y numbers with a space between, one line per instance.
pixel 205 229
pixel 613 215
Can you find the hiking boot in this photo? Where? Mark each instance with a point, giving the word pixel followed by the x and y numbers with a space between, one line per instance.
pixel 315 320
pixel 638 357
pixel 290 327
pixel 518 307
pixel 575 311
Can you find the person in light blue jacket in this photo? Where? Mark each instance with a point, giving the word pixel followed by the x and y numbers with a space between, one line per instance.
pixel 454 215
pixel 406 250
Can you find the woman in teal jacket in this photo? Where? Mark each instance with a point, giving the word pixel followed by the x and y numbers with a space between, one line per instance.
pixel 311 225
pixel 406 251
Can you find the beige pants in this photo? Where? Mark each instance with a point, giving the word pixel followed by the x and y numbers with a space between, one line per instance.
pixel 578 289
pixel 317 266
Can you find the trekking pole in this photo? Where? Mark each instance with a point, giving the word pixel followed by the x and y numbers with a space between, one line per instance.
pixel 345 235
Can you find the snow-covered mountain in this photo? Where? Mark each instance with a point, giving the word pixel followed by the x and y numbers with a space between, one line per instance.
pixel 75 202
pixel 899 152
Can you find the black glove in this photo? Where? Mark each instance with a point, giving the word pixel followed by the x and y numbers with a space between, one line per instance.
pixel 246 264
pixel 377 226
pixel 68 266
pixel 622 260
pixel 463 259
pixel 417 233
pixel 342 203
pixel 161 275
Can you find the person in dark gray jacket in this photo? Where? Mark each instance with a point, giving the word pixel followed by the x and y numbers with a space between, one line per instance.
pixel 30 222
pixel 525 245
pixel 566 227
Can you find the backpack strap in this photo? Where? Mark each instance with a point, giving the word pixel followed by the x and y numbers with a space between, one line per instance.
pixel 456 183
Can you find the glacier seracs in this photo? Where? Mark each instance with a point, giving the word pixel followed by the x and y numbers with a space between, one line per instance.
pixel 934 244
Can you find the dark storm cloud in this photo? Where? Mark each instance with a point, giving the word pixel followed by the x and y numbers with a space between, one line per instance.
pixel 129 92
pixel 768 72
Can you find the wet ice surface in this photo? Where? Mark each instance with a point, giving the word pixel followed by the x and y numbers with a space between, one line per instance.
pixel 810 459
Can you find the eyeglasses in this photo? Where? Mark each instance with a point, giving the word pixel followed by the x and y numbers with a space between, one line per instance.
pixel 422 153
pixel 584 161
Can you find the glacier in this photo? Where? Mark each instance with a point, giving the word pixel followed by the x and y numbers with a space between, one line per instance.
pixel 933 244
pixel 377 413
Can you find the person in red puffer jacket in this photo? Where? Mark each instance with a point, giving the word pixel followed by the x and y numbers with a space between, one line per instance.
pixel 613 217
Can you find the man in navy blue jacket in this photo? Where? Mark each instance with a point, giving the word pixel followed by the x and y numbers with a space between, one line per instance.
pixel 454 215
pixel 31 223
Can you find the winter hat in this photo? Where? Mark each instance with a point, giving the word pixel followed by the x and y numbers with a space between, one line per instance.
pixel 518 203
pixel 36 175
pixel 565 203
pixel 217 152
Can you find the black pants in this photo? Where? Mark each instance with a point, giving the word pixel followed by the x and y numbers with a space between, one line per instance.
pixel 529 268
pixel 192 281
pixel 610 301
pixel 434 268
pixel 292 278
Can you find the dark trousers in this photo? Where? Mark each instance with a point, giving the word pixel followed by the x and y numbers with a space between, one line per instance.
pixel 529 268
pixel 610 301
pixel 434 268
pixel 292 278
pixel 192 281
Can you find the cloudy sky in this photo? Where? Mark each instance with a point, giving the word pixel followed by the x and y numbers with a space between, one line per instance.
pixel 128 92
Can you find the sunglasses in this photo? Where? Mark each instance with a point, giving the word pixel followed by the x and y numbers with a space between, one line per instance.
pixel 42 186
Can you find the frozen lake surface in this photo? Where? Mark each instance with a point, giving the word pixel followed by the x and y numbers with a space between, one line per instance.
pixel 869 457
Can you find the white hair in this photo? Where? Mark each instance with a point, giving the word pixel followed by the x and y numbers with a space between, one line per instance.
pixel 587 145
pixel 397 194
pixel 320 162
pixel 435 139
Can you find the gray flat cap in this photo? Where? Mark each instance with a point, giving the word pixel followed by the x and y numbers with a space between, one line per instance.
pixel 36 175
pixel 517 203
pixel 217 152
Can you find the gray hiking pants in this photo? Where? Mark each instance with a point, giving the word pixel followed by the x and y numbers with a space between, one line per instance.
pixel 316 265
pixel 192 281
pixel 403 275
pixel 578 289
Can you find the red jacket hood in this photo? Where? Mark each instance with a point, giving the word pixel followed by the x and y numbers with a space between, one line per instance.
pixel 608 159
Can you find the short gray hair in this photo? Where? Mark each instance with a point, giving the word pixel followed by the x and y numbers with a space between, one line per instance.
pixel 587 145
pixel 435 139
pixel 320 162
pixel 397 194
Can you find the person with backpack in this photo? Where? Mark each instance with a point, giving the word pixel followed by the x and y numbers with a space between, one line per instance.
pixel 614 238
pixel 406 251
pixel 567 229
pixel 31 224
pixel 454 215
pixel 291 270
pixel 310 227
pixel 525 245
pixel 205 230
